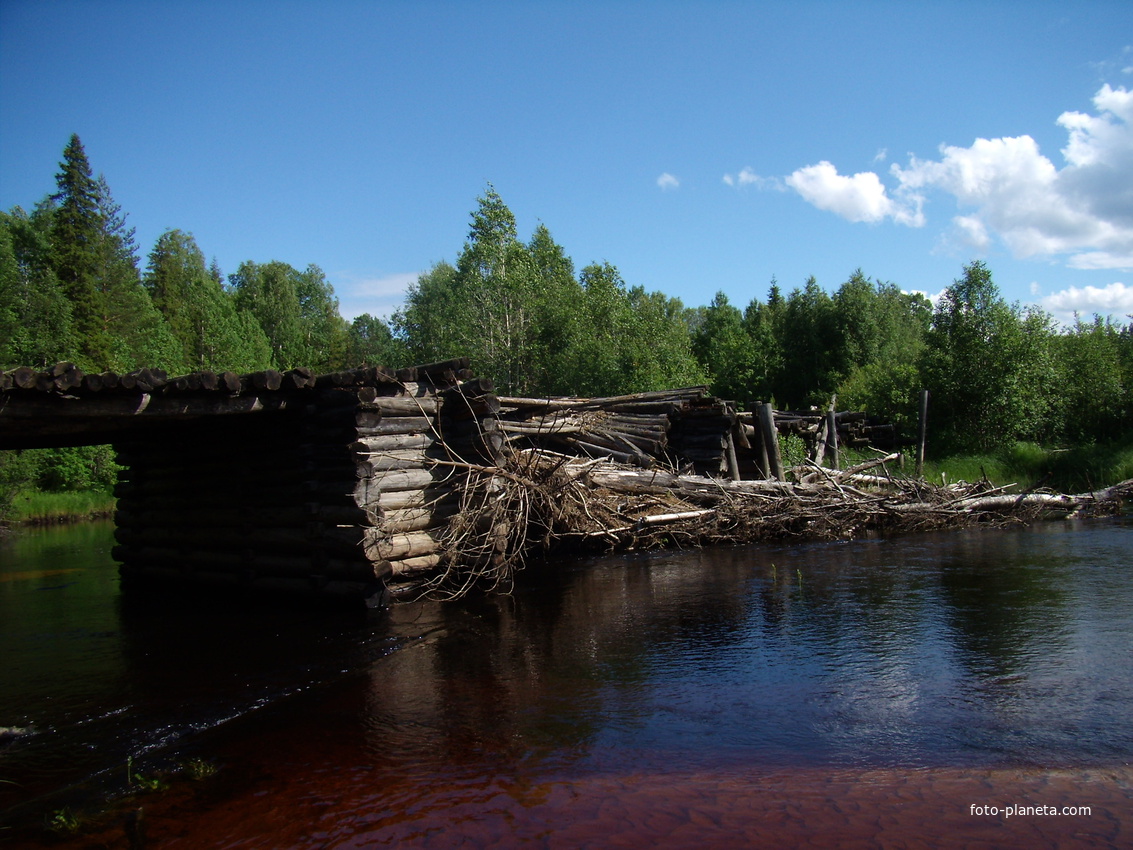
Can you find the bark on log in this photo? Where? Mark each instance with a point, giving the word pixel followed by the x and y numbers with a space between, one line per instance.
pixel 369 426
pixel 397 406
pixel 379 546
pixel 391 442
pixel 419 519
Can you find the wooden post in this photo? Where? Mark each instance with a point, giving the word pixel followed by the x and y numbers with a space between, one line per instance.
pixel 733 461
pixel 921 431
pixel 771 440
pixel 832 437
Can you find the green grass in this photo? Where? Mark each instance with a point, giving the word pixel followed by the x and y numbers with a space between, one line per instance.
pixel 1067 470
pixel 34 507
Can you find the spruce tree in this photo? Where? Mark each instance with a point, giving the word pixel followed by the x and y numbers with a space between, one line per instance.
pixel 76 242
pixel 95 261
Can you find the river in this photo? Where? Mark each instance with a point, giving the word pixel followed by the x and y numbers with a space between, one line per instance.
pixel 968 688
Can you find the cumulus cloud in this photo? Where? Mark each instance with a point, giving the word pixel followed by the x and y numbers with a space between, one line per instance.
pixel 668 181
pixel 861 197
pixel 747 177
pixel 1116 300
pixel 1009 191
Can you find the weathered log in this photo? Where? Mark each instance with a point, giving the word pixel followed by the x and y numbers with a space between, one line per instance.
pixel 922 425
pixel 343 541
pixel 300 378
pixel 367 427
pixel 716 440
pixel 733 462
pixel 770 438
pixel 419 518
pixel 553 404
pixel 440 369
pixel 240 564
pixel 590 441
pixel 539 427
pixel 592 450
pixel 403 479
pixel 398 406
pixel 371 465
pixel 630 481
pixel 347 587
pixel 198 515
pixel 413 567
pixel 369 445
pixel 66 376
pixel 380 546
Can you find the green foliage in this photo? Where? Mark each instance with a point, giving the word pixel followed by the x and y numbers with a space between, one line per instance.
pixel 75 468
pixel 1095 398
pixel 93 258
pixel 1029 465
pixel 988 365
pixel 808 337
pixel 297 312
pixel 201 315
pixel 35 315
pixel 726 350
pixel 17 470
pixel 523 318
pixel 371 343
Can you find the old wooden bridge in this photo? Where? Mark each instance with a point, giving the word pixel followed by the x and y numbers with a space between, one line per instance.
pixel 355 484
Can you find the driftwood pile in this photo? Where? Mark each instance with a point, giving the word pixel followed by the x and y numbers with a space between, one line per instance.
pixel 602 503
pixel 658 470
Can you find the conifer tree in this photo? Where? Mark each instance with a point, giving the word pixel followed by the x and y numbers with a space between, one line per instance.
pixel 76 241
pixel 35 314
pixel 94 259
pixel 201 315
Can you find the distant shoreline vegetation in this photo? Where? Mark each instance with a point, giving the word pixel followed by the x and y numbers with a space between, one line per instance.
pixel 73 288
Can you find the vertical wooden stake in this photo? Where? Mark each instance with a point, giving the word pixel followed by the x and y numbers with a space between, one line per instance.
pixel 832 437
pixel 760 445
pixel 921 431
pixel 771 440
pixel 733 463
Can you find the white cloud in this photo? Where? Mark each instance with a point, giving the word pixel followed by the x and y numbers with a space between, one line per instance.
pixel 1115 300
pixel 747 177
pixel 668 181
pixel 1009 191
pixel 376 295
pixel 861 197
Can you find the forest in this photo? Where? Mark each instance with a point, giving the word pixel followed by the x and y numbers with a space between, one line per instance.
pixel 73 287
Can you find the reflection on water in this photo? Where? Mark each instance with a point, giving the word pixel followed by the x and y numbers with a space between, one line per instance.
pixel 939 667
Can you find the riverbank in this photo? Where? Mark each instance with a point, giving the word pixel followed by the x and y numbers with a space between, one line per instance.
pixel 1075 469
pixel 35 507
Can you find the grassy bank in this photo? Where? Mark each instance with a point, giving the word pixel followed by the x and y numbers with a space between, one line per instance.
pixel 1070 470
pixel 33 507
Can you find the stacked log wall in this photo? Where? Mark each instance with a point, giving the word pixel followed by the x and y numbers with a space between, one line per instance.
pixel 252 502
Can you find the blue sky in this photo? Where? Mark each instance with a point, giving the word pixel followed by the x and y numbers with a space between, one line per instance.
pixel 697 146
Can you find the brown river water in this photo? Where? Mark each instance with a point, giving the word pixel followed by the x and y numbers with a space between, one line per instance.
pixel 966 689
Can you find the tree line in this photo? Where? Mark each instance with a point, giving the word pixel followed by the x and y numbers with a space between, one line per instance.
pixel 73 288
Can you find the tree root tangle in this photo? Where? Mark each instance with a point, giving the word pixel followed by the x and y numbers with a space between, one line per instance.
pixel 541 501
